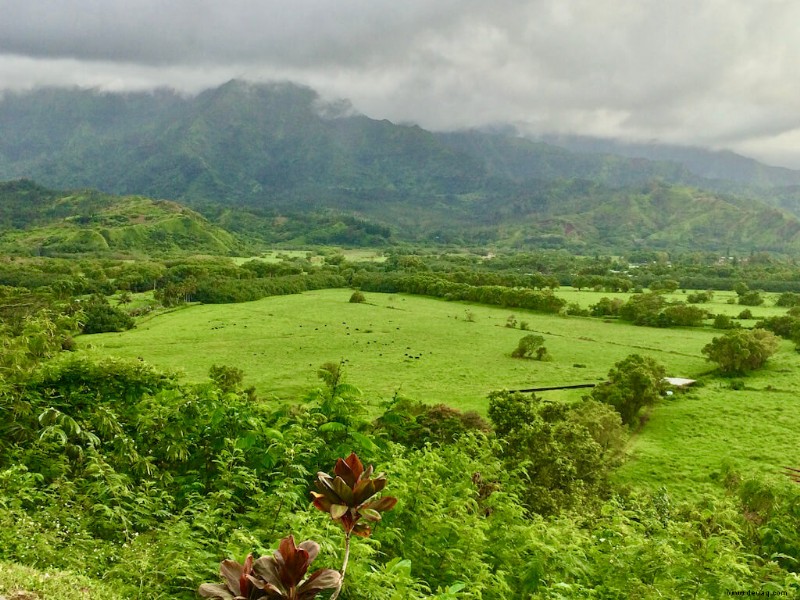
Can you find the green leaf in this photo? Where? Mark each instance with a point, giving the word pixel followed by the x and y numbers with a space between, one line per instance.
pixel 332 426
pixel 364 441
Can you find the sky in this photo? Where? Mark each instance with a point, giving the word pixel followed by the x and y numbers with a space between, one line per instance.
pixel 713 73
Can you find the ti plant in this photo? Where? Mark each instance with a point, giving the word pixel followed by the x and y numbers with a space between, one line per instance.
pixel 348 498
pixel 276 577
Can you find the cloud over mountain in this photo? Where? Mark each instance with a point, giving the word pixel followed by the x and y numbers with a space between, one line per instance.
pixel 707 72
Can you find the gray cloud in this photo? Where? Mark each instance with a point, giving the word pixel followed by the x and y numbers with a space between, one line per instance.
pixel 709 72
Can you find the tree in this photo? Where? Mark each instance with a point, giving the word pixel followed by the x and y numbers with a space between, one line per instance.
pixel 606 307
pixel 644 309
pixel 101 317
pixel 633 383
pixel 684 315
pixel 530 345
pixel 741 351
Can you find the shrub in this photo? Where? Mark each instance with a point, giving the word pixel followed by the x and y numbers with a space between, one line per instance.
pixel 228 379
pixel 574 309
pixel 567 450
pixel 751 298
pixel 788 299
pixel 357 297
pixel 723 322
pixel 683 315
pixel 529 345
pixel 101 317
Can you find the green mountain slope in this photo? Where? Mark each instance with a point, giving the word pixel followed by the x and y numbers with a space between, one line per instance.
pixel 35 219
pixel 276 164
pixel 709 164
pixel 279 144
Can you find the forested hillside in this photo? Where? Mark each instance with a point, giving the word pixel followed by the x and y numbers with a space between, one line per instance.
pixel 277 163
pixel 35 220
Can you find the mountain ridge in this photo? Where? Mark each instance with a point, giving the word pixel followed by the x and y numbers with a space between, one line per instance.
pixel 274 152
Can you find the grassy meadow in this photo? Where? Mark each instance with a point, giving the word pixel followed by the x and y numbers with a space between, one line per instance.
pixel 428 349
pixel 435 351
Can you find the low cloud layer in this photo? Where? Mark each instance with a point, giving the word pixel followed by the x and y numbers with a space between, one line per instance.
pixel 718 73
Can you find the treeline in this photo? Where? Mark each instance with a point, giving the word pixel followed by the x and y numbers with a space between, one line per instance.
pixel 431 285
pixel 221 291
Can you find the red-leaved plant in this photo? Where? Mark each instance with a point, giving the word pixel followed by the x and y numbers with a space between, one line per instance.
pixel 347 497
pixel 278 577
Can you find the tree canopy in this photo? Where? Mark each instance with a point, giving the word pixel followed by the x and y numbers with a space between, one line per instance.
pixel 740 351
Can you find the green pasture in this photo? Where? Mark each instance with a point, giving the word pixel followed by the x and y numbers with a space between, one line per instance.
pixel 429 350
pixel 423 348
pixel 691 436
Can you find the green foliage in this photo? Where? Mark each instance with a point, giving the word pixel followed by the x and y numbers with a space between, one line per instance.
pixel 415 424
pixel 534 433
pixel 101 317
pixel 633 383
pixel 18 582
pixel 121 473
pixel 664 285
pixel 222 291
pixel 788 300
pixel 751 298
pixel 530 345
pixel 227 379
pixel 357 297
pixel 723 322
pixel 607 307
pixel 644 309
pixel 682 315
pixel 35 338
pixel 741 351
pixel 47 222
pixel 787 327
pixel 700 297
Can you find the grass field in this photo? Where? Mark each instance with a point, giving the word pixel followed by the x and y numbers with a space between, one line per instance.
pixel 424 348
pixel 688 439
pixel 428 350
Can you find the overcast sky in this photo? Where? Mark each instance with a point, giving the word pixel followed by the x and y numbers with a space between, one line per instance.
pixel 718 73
